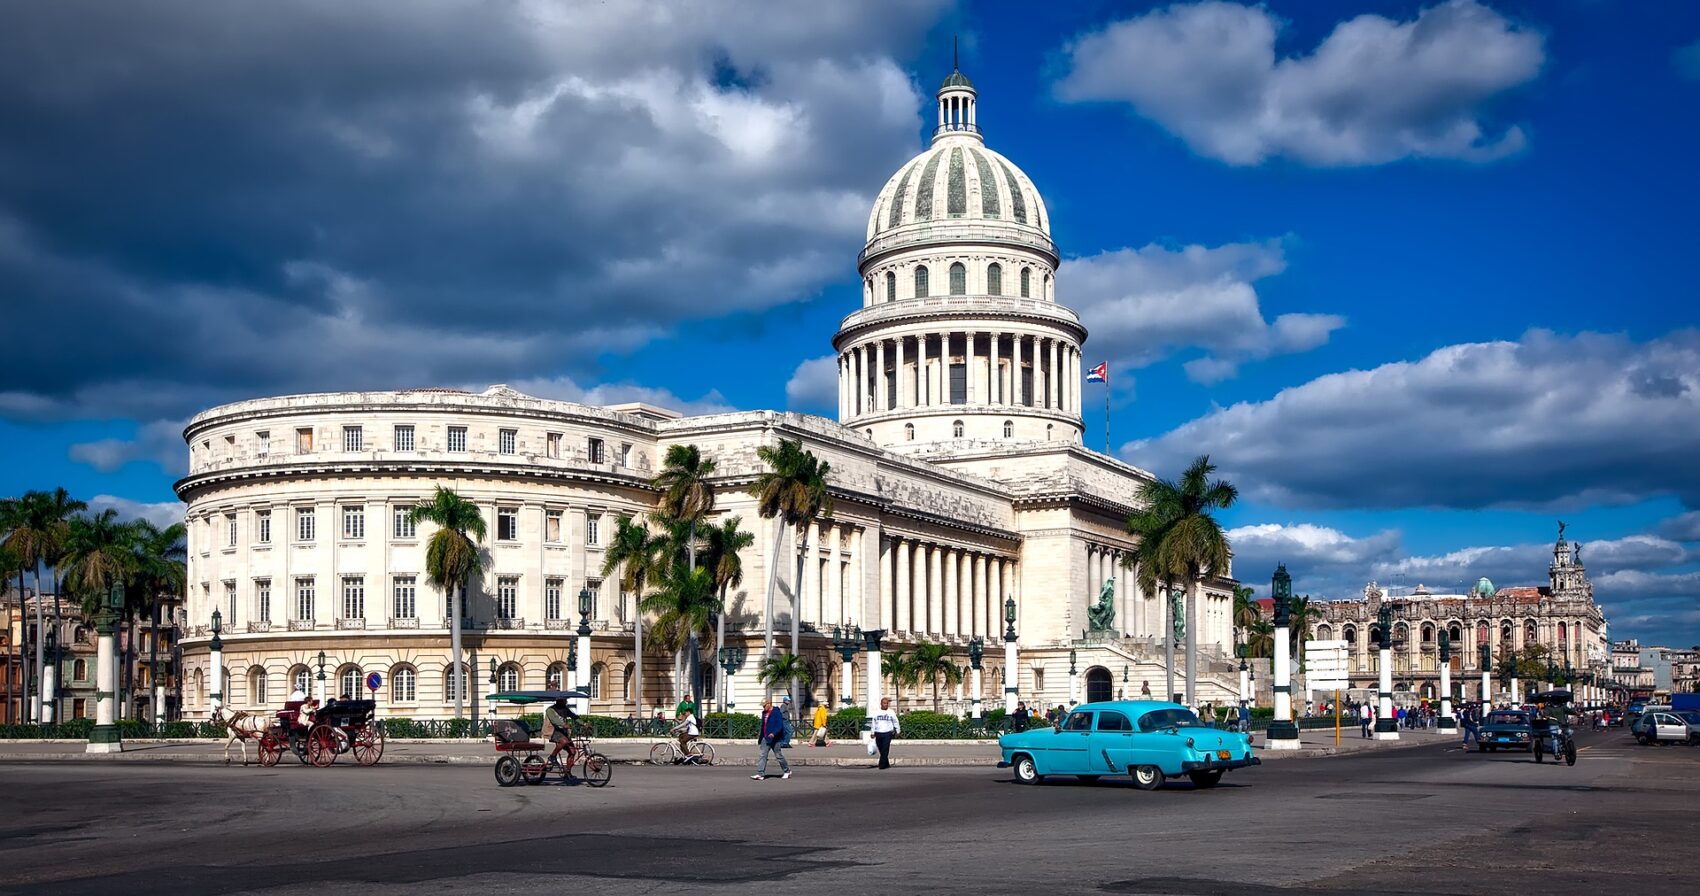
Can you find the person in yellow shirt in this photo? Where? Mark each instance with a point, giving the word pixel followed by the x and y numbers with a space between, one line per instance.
pixel 820 724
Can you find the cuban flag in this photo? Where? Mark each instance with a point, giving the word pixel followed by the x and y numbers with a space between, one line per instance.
pixel 1099 374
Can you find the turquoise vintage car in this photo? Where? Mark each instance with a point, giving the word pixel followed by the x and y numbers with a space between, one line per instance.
pixel 1148 739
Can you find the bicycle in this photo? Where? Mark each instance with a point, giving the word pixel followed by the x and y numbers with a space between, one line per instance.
pixel 667 753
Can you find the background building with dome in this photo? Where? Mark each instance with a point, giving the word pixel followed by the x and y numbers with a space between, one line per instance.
pixel 957 471
pixel 1560 617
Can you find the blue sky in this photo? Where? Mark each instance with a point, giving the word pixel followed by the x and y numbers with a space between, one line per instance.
pixel 1418 275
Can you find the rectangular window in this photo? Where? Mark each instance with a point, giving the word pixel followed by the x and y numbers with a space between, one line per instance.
pixel 507 524
pixel 304 529
pixel 263 526
pixel 457 438
pixel 958 383
pixel 353 597
pixel 354 522
pixel 304 440
pixel 353 438
pixel 405 527
pixel 405 594
pixel 625 455
pixel 404 437
pixel 230 530
pixel 593 529
pixel 553 443
pixel 1026 398
pixel 593 451
pixel 262 600
pixel 230 603
pixel 507 597
pixel 595 588
pixel 552 526
pixel 507 441
pixel 304 596
pixel 264 438
pixel 552 599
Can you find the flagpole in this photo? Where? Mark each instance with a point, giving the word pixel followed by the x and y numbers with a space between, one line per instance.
pixel 1106 412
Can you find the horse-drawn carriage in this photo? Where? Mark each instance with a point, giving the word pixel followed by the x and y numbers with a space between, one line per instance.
pixel 318 735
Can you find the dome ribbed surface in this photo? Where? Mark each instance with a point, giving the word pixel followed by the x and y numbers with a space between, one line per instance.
pixel 958 180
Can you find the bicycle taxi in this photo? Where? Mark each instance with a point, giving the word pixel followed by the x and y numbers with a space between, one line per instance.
pixel 525 760
pixel 1550 725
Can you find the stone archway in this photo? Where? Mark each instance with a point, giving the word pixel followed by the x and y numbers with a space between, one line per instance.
pixel 1099 685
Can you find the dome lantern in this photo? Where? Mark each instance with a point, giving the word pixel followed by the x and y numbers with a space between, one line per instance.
pixel 957 99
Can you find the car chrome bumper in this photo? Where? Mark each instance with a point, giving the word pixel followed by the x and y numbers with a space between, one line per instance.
pixel 1210 764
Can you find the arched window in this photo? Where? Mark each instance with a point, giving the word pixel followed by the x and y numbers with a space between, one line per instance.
pixel 868 292
pixel 301 680
pixel 1009 429
pixel 1428 633
pixel 80 670
pixel 908 432
pixel 994 279
pixel 507 677
pixel 958 279
pixel 257 695
pixel 1375 636
pixel 1324 633
pixel 556 678
pixel 598 674
pixel 956 429
pixel 404 684
pixel 1048 295
pixel 449 682
pixel 200 687
pixel 80 635
pixel 920 281
pixel 1505 633
pixel 890 286
pixel 1456 635
pixel 1482 636
pixel 629 679
pixel 1529 635
pixel 350 680
pixel 1026 282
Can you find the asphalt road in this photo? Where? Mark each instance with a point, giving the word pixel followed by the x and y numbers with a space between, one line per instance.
pixel 1428 820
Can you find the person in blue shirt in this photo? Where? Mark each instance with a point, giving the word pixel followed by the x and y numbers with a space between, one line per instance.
pixel 772 740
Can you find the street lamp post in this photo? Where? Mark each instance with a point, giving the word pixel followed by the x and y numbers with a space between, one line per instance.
pixel 1073 680
pixel 1487 675
pixel 871 643
pixel 1010 671
pixel 1282 733
pixel 1386 727
pixel 50 679
pixel 581 666
pixel 1446 723
pixel 976 652
pixel 847 640
pixel 215 655
pixel 730 659
pixel 1245 679
pixel 321 693
pixel 105 737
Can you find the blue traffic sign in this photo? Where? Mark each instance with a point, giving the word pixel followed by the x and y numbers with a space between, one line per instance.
pixel 374 681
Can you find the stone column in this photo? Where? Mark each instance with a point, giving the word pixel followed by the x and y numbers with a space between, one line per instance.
pixel 887 595
pixel 858 586
pixel 105 737
pixel 581 673
pixel 1056 374
pixel 968 365
pixel 902 386
pixel 1446 722
pixel 844 677
pixel 1386 726
pixel 1011 671
pixel 809 590
pixel 901 617
pixel 1283 734
pixel 935 591
pixel 976 576
pixel 974 682
pixel 880 392
pixel 832 594
pixel 952 593
pixel 871 641
pixel 995 390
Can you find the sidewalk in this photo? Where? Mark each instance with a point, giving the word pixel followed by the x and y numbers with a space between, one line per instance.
pixel 850 754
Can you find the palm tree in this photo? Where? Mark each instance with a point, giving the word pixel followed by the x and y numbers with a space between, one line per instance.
pixel 900 668
pixel 1192 541
pixel 1150 524
pixel 451 560
pixel 1301 613
pixel 786 668
pixel 638 556
pixel 40 524
pixel 931 663
pixel 1260 639
pixel 1246 611
pixel 684 606
pixel 9 560
pixel 793 488
pixel 723 555
pixel 160 571
pixel 687 497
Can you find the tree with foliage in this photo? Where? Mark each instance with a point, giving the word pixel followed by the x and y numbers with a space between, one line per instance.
pixel 39 526
pixel 723 554
pixel 684 605
pixel 900 667
pixel 1260 639
pixel 161 572
pixel 637 555
pixel 10 561
pixel 786 669
pixel 1189 538
pixel 1302 614
pixel 686 499
pixel 452 559
pixel 793 489
pixel 1246 611
pixel 932 664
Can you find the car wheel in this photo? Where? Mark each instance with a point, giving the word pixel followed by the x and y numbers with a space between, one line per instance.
pixel 1090 779
pixel 1206 780
pixel 1147 777
pixel 1025 771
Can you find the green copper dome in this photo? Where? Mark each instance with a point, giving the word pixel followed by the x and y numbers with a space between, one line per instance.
pixel 956 79
pixel 1485 588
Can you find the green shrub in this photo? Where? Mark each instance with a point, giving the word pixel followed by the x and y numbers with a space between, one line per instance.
pixel 737 725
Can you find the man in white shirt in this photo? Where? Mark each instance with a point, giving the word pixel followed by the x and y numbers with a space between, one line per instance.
pixel 885 726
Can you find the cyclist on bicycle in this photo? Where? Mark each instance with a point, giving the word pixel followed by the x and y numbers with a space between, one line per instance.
pixel 559 716
pixel 686 730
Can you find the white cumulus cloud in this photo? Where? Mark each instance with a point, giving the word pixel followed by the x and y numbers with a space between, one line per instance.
pixel 813 386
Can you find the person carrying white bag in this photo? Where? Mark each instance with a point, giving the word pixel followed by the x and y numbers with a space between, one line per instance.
pixel 885 726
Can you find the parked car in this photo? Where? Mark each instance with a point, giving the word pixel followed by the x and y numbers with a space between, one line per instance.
pixel 1149 740
pixel 1663 726
pixel 1505 729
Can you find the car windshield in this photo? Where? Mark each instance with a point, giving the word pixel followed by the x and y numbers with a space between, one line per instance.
pixel 1691 716
pixel 1158 719
pixel 1507 718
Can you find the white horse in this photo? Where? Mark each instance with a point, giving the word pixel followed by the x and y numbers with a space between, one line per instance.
pixel 243 726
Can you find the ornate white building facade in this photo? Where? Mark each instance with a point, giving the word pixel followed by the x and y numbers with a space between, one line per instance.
pixel 958 476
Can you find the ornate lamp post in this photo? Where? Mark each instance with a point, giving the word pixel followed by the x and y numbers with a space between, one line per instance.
pixel 50 678
pixel 1487 674
pixel 1283 734
pixel 871 643
pixel 1073 679
pixel 215 652
pixel 976 652
pixel 321 694
pixel 847 640
pixel 581 662
pixel 730 659
pixel 1446 723
pixel 105 737
pixel 1386 726
pixel 1245 677
pixel 1010 670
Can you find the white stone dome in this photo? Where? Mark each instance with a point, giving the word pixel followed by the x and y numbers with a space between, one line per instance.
pixel 958 180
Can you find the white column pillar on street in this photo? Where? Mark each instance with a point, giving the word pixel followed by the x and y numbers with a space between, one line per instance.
pixel 1516 691
pixel 1283 668
pixel 215 680
pixel 1386 726
pixel 1446 722
pixel 1245 683
pixel 105 737
pixel 49 690
pixel 158 703
pixel 978 711
pixel 1011 672
pixel 582 672
pixel 871 640
pixel 1487 689
pixel 845 684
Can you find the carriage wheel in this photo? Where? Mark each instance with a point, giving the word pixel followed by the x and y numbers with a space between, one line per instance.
pixel 1569 753
pixel 368 744
pixel 271 749
pixel 598 770
pixel 507 771
pixel 321 746
pixel 703 753
pixel 534 768
pixel 662 754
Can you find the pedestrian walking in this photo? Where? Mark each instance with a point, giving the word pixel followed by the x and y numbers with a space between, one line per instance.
pixel 885 726
pixel 820 724
pixel 787 713
pixel 1245 717
pixel 772 740
pixel 1470 722
pixel 1366 716
pixel 1017 719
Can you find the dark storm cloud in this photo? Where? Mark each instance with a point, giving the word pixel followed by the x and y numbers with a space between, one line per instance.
pixel 202 201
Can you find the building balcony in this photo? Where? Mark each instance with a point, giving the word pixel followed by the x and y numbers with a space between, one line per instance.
pixel 506 623
pixel 352 624
pixel 259 627
pixel 409 622
pixel 301 625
